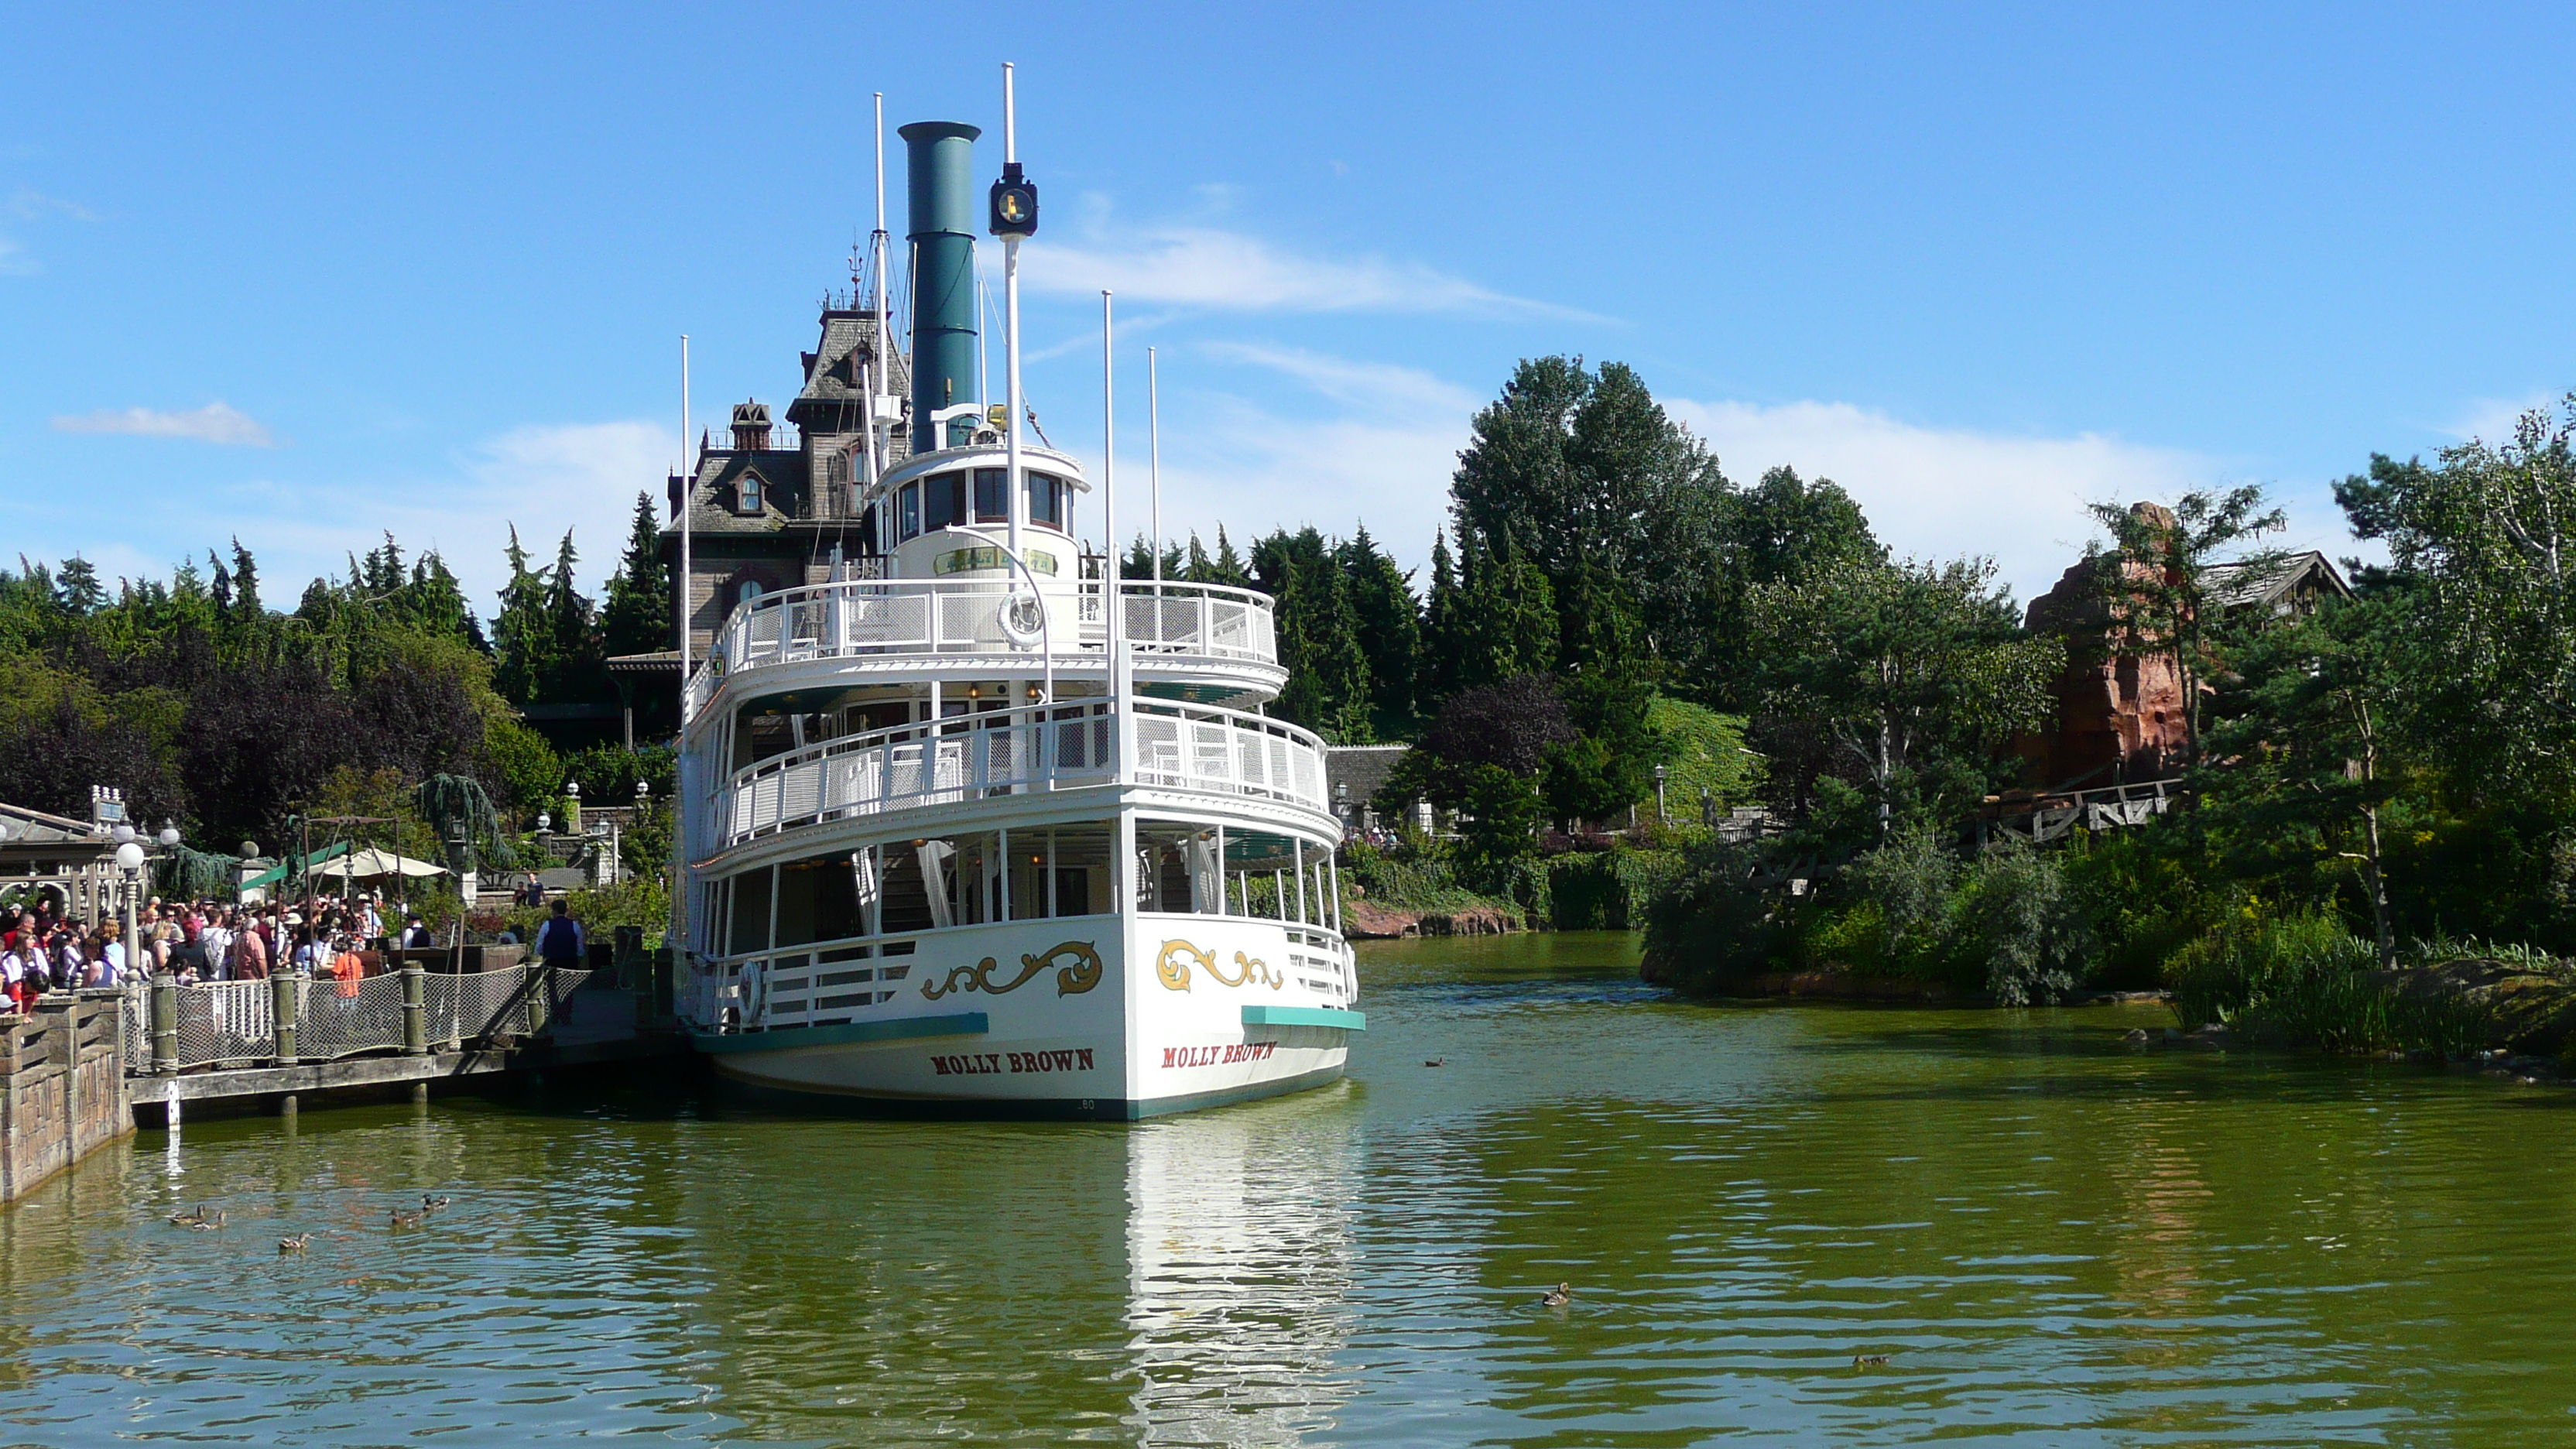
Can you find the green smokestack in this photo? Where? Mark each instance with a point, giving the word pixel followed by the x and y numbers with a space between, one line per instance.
pixel 940 167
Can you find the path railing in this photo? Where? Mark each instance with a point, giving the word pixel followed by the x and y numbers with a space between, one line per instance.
pixel 288 1020
pixel 1032 748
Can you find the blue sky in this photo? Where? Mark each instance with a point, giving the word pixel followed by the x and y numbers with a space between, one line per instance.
pixel 304 274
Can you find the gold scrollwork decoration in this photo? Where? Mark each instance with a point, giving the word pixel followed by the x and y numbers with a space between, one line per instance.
pixel 1071 979
pixel 1172 968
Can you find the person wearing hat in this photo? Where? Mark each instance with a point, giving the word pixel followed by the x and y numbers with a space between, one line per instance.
pixel 416 937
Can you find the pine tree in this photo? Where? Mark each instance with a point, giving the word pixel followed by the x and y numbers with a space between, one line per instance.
pixel 638 618
pixel 246 604
pixel 435 602
pixel 571 620
pixel 1387 620
pixel 1229 569
pixel 76 589
pixel 521 634
pixel 1436 667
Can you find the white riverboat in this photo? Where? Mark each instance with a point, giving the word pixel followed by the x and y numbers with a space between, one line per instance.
pixel 969 823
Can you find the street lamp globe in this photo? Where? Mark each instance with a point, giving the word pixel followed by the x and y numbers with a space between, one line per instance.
pixel 122 834
pixel 169 835
pixel 545 822
pixel 643 789
pixel 129 857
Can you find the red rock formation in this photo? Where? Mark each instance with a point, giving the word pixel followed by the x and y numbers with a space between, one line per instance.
pixel 2117 718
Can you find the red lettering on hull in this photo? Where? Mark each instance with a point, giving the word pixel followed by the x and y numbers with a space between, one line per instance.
pixel 1222 1054
pixel 986 1064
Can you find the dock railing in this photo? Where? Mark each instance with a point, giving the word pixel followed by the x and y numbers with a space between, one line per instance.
pixel 293 1020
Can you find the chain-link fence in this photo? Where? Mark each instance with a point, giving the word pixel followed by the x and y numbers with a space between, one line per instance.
pixel 343 1018
pixel 223 1023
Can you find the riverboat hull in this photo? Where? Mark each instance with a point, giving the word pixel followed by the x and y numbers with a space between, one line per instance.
pixel 1068 1030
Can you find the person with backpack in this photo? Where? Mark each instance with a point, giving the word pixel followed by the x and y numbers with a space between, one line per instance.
pixel 559 945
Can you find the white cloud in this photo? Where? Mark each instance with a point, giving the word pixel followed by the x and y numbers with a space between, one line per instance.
pixel 1203 267
pixel 2492 420
pixel 214 423
pixel 544 479
pixel 1382 456
pixel 1947 492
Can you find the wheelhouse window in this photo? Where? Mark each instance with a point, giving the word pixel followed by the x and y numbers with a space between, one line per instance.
pixel 908 513
pixel 992 495
pixel 1046 500
pixel 943 501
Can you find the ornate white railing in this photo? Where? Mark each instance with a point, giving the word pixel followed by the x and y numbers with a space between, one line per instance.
pixel 1034 748
pixel 895 617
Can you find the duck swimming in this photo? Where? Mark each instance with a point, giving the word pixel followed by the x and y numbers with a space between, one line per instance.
pixel 1557 1297
pixel 401 1219
pixel 430 1204
pixel 1869 1360
pixel 295 1243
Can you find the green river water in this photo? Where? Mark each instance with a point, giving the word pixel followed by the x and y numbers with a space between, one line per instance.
pixel 2059 1239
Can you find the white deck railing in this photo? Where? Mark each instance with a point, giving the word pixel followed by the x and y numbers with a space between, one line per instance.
pixel 1034 748
pixel 895 617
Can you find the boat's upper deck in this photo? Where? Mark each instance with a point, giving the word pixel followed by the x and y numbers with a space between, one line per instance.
pixel 1220 640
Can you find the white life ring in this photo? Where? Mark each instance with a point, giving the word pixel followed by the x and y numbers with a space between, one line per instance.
pixel 1023 620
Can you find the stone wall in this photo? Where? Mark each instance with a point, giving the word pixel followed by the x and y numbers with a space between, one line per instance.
pixel 62 1087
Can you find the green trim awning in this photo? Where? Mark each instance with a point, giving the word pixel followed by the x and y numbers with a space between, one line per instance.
pixel 277 872
pixel 1305 1016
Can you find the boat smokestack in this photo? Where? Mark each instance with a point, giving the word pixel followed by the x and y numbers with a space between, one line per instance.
pixel 939 166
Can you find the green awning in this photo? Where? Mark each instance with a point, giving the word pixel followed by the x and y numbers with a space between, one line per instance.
pixel 276 873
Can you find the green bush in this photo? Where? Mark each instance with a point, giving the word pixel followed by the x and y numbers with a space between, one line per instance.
pixel 2307 980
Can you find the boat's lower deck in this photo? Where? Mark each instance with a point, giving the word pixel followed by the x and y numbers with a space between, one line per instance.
pixel 1110 1016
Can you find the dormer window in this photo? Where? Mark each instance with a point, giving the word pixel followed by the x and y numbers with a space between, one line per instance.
pixel 749 489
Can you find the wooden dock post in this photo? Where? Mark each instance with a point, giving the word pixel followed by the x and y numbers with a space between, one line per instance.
pixel 165 1025
pixel 282 986
pixel 540 991
pixel 415 999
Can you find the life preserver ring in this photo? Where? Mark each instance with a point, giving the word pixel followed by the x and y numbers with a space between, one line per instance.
pixel 1023 620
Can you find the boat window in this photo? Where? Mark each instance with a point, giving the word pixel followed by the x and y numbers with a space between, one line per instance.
pixel 750 930
pixel 1062 870
pixel 992 495
pixel 818 900
pixel 908 512
pixel 1046 500
pixel 1261 875
pixel 943 501
pixel 1177 868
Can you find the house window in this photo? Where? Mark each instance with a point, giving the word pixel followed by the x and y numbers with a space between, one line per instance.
pixel 747 591
pixel 750 489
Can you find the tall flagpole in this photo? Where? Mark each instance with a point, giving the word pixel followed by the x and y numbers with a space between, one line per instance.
pixel 1114 605
pixel 1154 467
pixel 688 486
pixel 1015 504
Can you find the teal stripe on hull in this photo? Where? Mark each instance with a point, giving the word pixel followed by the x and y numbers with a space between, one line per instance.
pixel 1305 1016
pixel 964 1023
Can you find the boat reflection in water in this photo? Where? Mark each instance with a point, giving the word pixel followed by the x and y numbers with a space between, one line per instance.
pixel 1182 1281
pixel 1240 1264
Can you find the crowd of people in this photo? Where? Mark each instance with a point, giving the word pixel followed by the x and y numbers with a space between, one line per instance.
pixel 43 950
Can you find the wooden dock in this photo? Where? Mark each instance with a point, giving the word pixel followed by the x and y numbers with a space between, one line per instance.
pixel 597 1028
